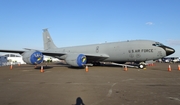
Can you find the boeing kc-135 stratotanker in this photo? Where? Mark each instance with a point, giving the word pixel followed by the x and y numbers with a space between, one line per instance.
pixel 78 56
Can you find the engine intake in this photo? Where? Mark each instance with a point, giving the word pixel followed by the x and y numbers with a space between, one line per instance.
pixel 33 57
pixel 76 60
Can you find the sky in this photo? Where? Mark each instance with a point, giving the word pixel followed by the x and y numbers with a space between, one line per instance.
pixel 82 22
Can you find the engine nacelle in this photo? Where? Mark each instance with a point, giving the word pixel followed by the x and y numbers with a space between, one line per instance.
pixel 76 60
pixel 32 57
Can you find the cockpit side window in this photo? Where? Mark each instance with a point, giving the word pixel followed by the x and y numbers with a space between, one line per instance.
pixel 157 44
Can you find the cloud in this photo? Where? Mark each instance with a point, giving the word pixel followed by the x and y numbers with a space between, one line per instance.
pixel 149 23
pixel 173 42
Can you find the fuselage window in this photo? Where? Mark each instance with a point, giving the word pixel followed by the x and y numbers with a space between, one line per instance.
pixel 97 49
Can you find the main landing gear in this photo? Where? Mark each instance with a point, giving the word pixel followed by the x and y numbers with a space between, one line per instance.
pixel 141 66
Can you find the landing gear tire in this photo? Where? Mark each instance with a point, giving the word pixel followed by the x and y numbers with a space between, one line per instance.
pixel 141 66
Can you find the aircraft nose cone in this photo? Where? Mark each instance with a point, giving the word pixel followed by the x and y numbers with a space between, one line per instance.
pixel 169 50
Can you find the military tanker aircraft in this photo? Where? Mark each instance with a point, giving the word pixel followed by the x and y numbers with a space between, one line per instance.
pixel 137 51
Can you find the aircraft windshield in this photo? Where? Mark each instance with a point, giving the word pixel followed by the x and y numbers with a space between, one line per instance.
pixel 157 44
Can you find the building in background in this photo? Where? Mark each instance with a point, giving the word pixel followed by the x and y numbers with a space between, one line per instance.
pixel 50 59
pixel 14 58
pixel 3 61
pixel 17 58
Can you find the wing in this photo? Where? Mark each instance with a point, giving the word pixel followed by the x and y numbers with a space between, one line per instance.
pixel 43 52
pixel 12 51
pixel 53 54
pixel 90 57
pixel 96 57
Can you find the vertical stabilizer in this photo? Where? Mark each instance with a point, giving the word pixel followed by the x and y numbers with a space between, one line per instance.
pixel 48 42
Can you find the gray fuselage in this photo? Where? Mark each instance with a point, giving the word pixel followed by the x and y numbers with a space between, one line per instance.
pixel 136 50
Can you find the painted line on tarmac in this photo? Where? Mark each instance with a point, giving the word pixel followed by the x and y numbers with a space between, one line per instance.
pixel 110 90
pixel 27 70
pixel 128 80
pixel 108 95
pixel 173 98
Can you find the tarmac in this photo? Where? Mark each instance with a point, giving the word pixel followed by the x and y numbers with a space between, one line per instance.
pixel 100 85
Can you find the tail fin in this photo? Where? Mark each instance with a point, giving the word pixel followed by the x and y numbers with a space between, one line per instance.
pixel 48 42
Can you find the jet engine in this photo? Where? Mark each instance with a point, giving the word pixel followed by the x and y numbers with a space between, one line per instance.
pixel 76 60
pixel 32 57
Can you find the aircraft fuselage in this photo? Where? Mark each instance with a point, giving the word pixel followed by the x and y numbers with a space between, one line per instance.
pixel 136 50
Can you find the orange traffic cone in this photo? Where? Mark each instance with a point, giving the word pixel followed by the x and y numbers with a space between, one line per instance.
pixel 152 64
pixel 42 70
pixel 169 68
pixel 178 67
pixel 125 68
pixel 86 68
pixel 11 67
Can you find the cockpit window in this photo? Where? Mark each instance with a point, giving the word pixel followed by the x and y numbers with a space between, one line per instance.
pixel 157 44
